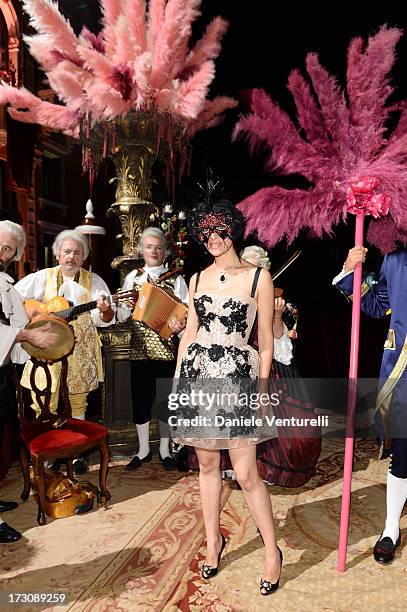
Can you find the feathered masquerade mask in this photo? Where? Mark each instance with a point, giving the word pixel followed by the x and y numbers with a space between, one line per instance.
pixel 220 217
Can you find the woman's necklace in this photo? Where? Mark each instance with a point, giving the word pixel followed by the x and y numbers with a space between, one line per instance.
pixel 223 277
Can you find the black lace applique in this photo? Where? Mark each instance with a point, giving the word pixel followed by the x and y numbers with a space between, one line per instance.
pixel 216 352
pixel 188 369
pixel 236 320
pixel 243 368
pixel 204 318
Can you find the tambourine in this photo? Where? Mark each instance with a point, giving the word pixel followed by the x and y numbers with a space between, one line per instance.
pixel 64 342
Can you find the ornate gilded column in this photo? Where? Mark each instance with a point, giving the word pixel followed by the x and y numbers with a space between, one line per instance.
pixel 133 203
pixel 134 144
pixel 136 139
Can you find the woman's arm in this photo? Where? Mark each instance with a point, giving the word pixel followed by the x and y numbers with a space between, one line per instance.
pixel 192 322
pixel 265 312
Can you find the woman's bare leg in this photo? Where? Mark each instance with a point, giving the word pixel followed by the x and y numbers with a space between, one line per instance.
pixel 210 483
pixel 257 498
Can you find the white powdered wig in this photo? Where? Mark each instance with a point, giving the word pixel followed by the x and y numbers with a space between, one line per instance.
pixel 18 233
pixel 70 235
pixel 257 256
pixel 153 232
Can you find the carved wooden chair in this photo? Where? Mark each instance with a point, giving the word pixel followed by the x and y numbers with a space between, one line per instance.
pixel 50 437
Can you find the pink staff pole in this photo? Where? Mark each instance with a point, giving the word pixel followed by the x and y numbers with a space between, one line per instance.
pixel 353 374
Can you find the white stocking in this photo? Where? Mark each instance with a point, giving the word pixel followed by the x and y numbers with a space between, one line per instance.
pixel 396 498
pixel 143 433
pixel 164 440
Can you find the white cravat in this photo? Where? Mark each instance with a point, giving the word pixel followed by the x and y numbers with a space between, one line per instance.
pixel 153 272
pixel 72 291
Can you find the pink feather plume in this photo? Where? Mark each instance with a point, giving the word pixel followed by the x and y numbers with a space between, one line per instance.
pixel 210 44
pixel 46 18
pixel 340 142
pixel 211 114
pixel 133 64
pixel 136 19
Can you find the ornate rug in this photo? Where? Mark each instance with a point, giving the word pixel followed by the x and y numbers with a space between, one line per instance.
pixel 128 557
pixel 307 522
pixel 145 551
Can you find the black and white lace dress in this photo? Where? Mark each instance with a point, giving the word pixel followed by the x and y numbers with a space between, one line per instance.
pixel 224 367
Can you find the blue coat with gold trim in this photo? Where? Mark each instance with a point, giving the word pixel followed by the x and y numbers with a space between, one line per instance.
pixel 389 292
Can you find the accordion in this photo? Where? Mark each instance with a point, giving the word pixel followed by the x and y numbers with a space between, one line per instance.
pixel 155 308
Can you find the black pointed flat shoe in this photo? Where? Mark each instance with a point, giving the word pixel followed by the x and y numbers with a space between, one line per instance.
pixel 267 587
pixel 136 462
pixel 6 506
pixel 207 570
pixel 385 550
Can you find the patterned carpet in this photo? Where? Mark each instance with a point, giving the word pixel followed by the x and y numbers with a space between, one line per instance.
pixel 144 552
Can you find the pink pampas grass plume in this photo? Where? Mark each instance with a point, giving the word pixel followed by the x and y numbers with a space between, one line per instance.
pixel 136 63
pixel 136 19
pixel 210 44
pixel 342 138
pixel 46 18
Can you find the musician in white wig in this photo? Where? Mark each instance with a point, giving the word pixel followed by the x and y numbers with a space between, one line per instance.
pixel 286 461
pixel 151 356
pixel 13 319
pixel 79 286
pixel 283 348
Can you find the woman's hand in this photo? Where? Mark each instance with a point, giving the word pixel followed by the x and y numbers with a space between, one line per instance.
pixel 279 307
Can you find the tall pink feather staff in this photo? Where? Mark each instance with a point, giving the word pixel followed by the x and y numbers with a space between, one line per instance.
pixel 341 147
pixel 362 199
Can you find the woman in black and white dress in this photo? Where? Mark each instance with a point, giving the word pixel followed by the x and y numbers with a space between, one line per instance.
pixel 224 300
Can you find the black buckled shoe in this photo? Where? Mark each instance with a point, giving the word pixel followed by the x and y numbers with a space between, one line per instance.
pixel 207 570
pixel 267 587
pixel 136 462
pixel 385 550
pixel 8 534
pixel 80 467
pixel 168 463
pixel 6 506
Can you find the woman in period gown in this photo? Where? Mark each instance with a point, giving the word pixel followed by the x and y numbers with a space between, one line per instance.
pixel 288 460
pixel 223 303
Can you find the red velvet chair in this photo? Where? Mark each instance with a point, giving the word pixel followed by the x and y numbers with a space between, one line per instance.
pixel 50 437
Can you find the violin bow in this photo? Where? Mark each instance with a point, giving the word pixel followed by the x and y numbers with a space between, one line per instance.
pixel 287 264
